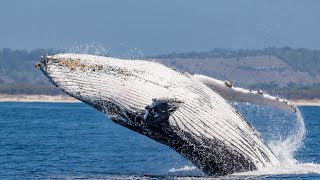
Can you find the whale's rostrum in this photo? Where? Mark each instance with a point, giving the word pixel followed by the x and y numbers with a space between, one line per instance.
pixel 185 112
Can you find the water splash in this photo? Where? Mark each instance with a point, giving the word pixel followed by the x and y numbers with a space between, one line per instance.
pixel 284 132
pixel 186 171
pixel 308 168
pixel 96 48
pixel 285 149
pixel 93 48
pixel 184 168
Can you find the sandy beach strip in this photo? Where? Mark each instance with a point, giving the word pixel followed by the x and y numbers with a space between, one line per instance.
pixel 37 98
pixel 69 99
pixel 305 102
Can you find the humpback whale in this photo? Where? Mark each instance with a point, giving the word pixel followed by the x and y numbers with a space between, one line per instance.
pixel 189 113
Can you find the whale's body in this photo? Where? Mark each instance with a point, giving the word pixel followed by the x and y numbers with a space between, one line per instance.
pixel 169 106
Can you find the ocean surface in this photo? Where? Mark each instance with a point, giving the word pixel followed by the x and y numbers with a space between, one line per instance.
pixel 74 141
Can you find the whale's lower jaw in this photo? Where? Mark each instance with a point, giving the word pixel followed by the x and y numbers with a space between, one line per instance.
pixel 193 120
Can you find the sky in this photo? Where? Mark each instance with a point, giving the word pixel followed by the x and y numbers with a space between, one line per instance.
pixel 124 27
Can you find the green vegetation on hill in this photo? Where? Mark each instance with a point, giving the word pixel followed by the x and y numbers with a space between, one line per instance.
pixel 18 75
pixel 17 66
pixel 29 89
pixel 301 59
pixel 304 60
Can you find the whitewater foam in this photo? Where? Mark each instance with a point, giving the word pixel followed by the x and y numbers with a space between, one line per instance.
pixel 286 149
pixel 184 168
pixel 308 168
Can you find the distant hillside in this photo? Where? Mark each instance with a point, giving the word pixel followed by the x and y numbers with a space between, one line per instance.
pixel 18 75
pixel 292 73
pixel 305 60
pixel 17 66
pixel 247 71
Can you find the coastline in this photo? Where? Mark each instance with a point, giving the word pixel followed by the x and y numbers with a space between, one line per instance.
pixel 37 98
pixel 69 99
pixel 305 102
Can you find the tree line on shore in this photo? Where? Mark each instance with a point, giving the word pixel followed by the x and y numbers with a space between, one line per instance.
pixel 18 75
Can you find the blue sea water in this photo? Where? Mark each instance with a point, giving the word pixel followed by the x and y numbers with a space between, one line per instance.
pixel 74 141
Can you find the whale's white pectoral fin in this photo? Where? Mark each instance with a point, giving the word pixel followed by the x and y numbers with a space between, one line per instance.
pixel 231 93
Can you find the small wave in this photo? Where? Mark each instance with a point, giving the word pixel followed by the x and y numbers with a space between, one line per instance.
pixel 183 169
